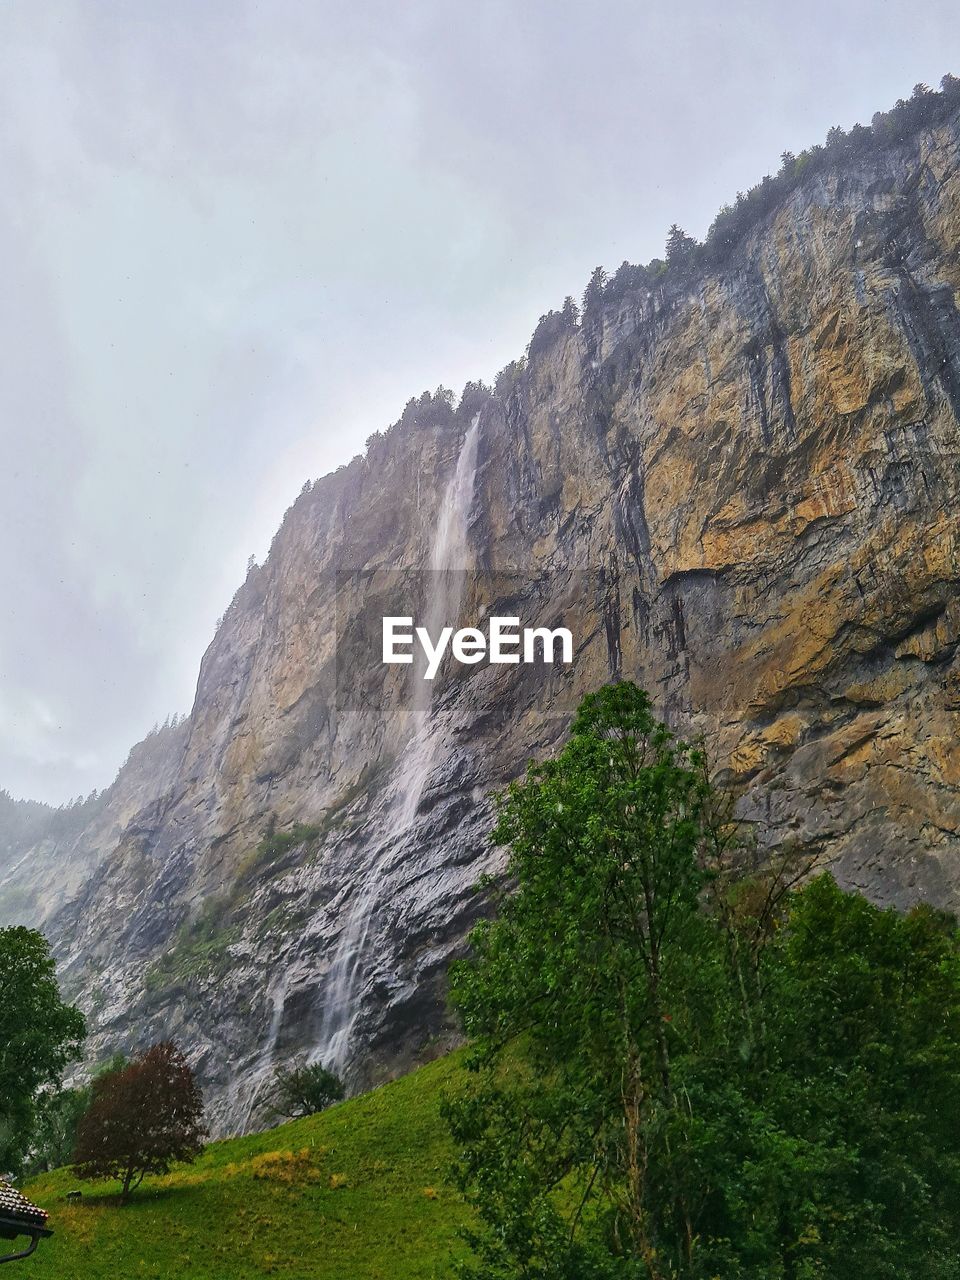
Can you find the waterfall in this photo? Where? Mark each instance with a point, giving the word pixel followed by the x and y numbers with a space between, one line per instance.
pixel 277 995
pixel 448 561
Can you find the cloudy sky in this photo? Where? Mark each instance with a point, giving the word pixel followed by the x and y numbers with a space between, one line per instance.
pixel 237 237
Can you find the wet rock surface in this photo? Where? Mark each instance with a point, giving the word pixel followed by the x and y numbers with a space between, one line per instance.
pixel 741 493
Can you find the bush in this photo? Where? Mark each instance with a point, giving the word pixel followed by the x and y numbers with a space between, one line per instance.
pixel 305 1089
pixel 275 843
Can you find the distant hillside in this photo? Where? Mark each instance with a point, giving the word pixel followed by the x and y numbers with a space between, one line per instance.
pixel 47 854
pixel 21 823
pixel 357 1193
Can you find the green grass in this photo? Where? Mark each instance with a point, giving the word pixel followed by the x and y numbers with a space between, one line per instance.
pixel 359 1192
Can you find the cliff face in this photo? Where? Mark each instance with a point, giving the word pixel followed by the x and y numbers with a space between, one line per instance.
pixel 741 493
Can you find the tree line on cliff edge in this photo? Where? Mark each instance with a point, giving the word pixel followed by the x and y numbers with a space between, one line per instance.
pixel 686 258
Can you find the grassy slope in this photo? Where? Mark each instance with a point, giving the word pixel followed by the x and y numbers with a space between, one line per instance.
pixel 358 1192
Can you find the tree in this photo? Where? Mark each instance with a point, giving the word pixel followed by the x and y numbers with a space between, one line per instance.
pixel 626 277
pixel 684 1069
pixel 59 1112
pixel 584 966
pixel 593 294
pixel 304 1089
pixel 39 1035
pixel 681 248
pixel 141 1120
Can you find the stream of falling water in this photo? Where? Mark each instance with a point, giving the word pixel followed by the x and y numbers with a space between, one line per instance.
pixel 448 561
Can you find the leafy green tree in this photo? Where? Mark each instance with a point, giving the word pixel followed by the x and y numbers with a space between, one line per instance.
pixel 59 1112
pixel 39 1036
pixel 304 1089
pixel 583 966
pixel 863 1051
pixel 684 1071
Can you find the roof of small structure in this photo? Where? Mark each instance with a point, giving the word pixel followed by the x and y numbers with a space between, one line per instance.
pixel 18 1207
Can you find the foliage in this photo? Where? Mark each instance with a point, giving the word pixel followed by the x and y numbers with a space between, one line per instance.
pixel 141 1120
pixel 200 946
pixel 54 1136
pixel 28 822
pixel 59 1112
pixel 304 1089
pixel 508 377
pixel 552 326
pixel 429 410
pixel 472 399
pixel 627 277
pixel 594 293
pixel 39 1035
pixel 345 1195
pixel 275 843
pixel 681 249
pixel 683 1071
pixel 925 109
pixel 22 822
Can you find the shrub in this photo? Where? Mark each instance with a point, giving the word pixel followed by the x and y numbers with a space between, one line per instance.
pixel 304 1089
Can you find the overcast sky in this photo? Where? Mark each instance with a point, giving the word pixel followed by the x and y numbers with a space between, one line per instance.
pixel 237 237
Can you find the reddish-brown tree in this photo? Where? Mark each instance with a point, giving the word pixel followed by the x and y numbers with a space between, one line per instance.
pixel 141 1120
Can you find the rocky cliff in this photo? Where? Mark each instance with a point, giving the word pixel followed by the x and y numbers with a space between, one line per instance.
pixel 739 488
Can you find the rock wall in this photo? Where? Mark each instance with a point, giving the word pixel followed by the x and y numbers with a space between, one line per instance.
pixel 740 490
